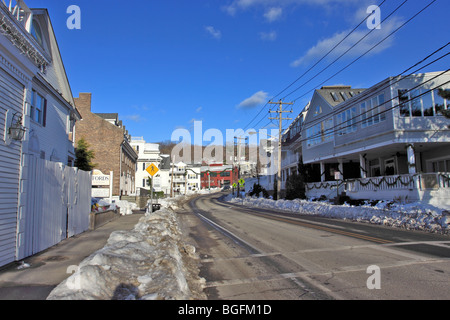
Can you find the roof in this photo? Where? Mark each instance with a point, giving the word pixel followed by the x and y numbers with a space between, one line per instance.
pixel 335 95
pixel 109 116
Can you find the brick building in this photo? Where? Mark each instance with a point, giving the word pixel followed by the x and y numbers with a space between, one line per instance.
pixel 218 175
pixel 110 141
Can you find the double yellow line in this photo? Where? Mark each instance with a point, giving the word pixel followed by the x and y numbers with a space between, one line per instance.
pixel 332 230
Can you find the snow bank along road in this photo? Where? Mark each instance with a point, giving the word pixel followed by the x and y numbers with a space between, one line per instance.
pixel 150 262
pixel 256 253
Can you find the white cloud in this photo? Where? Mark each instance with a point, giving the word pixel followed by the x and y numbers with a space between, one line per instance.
pixel 241 5
pixel 255 100
pixel 268 36
pixel 135 118
pixel 273 14
pixel 325 45
pixel 213 32
pixel 198 109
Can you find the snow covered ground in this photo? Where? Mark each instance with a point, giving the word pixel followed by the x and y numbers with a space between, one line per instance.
pixel 418 216
pixel 151 262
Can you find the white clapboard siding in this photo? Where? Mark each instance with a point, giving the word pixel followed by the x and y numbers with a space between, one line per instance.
pixel 79 186
pixel 56 206
pixel 11 101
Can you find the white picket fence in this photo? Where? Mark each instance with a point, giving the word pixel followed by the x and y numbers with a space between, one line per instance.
pixel 56 205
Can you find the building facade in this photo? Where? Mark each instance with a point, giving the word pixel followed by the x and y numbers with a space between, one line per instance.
pixel 389 141
pixel 36 97
pixel 113 151
pixel 148 153
pixel 218 175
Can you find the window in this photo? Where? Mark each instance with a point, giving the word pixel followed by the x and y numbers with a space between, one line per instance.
pixel 374 167
pixel 439 103
pixel 317 110
pixel 416 104
pixel 373 111
pixel 334 96
pixel 36 32
pixel 427 103
pixel 344 96
pixel 441 165
pixel 403 101
pixel 420 103
pixel 38 108
pixel 389 167
pixel 320 133
pixel 346 121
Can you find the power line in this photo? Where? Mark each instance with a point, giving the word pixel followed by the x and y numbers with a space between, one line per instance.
pixel 361 96
pixel 384 39
pixel 328 53
pixel 347 66
pixel 337 128
pixel 348 50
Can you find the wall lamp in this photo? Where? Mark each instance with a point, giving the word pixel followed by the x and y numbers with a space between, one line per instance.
pixel 16 131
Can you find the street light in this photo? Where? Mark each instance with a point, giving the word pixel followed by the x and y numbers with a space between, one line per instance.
pixel 279 161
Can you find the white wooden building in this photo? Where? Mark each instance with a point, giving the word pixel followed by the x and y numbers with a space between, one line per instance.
pixel 34 95
pixel 148 153
pixel 387 142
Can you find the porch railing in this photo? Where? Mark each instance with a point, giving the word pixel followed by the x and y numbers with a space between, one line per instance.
pixel 422 181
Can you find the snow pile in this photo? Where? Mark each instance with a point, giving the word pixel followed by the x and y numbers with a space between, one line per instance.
pixel 102 205
pixel 417 216
pixel 150 262
pixel 126 207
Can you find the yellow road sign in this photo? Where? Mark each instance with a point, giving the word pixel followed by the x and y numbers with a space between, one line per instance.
pixel 152 169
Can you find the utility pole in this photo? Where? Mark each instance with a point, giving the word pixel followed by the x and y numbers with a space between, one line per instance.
pixel 239 159
pixel 171 179
pixel 280 118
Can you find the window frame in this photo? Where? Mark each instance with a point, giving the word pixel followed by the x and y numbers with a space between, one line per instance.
pixel 38 114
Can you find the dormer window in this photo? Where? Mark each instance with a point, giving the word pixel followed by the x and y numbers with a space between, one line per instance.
pixel 334 96
pixel 36 32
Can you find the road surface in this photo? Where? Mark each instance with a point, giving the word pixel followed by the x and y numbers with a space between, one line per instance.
pixel 256 254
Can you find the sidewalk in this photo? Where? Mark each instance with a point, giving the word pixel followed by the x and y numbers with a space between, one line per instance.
pixel 49 268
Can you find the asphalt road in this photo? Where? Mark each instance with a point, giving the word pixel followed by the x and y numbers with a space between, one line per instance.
pixel 255 254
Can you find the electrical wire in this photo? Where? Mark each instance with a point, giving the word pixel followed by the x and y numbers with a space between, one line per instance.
pixel 348 50
pixel 337 128
pixel 376 45
pixel 328 53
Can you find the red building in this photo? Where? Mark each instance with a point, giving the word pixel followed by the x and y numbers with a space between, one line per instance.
pixel 218 175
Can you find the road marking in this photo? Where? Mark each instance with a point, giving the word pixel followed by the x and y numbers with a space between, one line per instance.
pixel 228 233
pixel 332 230
pixel 306 274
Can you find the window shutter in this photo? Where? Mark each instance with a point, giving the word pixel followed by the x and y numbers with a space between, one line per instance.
pixel 44 114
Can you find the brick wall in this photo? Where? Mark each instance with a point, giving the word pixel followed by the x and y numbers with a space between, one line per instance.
pixel 105 139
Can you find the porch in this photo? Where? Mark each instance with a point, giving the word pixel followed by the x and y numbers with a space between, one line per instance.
pixel 430 188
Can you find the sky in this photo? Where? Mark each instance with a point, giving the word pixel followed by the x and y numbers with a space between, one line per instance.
pixel 162 65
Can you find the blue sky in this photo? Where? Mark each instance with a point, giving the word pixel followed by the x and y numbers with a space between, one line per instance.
pixel 164 64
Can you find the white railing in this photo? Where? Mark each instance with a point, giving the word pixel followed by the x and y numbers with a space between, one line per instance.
pixel 21 12
pixel 396 182
pixel 439 180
